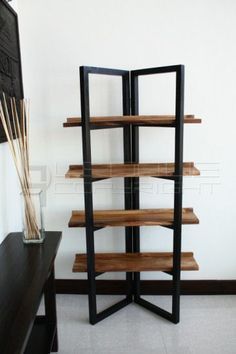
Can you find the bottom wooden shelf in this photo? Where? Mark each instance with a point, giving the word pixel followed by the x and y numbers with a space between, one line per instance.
pixel 134 262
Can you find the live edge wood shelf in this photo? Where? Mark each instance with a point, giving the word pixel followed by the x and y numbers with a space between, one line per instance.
pixel 160 170
pixel 132 261
pixel 135 262
pixel 138 120
pixel 141 217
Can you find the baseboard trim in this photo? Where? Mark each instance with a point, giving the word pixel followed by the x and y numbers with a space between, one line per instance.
pixel 148 287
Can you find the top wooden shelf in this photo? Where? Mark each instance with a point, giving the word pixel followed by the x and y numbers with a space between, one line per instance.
pixel 140 120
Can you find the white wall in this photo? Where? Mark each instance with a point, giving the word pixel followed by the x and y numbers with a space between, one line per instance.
pixel 59 36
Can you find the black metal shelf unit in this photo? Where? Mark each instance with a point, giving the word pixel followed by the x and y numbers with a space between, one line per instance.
pixel 131 186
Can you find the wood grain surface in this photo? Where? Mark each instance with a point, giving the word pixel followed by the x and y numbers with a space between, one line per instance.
pixel 141 120
pixel 134 262
pixel 132 170
pixel 141 217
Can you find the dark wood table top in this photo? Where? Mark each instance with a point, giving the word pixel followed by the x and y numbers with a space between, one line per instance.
pixel 24 270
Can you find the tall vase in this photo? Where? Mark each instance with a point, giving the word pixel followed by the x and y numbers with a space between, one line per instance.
pixel 33 223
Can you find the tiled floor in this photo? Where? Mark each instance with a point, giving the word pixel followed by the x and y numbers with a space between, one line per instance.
pixel 208 326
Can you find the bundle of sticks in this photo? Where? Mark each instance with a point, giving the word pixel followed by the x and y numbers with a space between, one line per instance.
pixel 14 116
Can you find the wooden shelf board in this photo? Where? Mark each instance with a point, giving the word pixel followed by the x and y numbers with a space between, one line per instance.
pixel 141 120
pixel 134 262
pixel 141 217
pixel 132 170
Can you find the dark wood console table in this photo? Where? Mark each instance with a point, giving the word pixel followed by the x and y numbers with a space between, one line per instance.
pixel 26 273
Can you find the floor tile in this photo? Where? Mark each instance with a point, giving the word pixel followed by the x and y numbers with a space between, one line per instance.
pixel 207 326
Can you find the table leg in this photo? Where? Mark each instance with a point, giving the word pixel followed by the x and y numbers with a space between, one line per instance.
pixel 50 306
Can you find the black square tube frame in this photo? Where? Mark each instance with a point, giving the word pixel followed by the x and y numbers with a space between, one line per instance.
pixel 131 187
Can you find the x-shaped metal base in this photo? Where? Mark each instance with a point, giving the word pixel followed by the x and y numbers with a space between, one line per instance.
pixel 138 300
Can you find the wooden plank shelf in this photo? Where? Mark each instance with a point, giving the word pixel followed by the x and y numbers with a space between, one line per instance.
pixel 139 120
pixel 141 217
pixel 135 262
pixel 103 171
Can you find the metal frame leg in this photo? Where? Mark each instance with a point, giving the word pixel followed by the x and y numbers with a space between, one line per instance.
pixel 50 307
pixel 95 317
pixel 88 193
pixel 135 180
pixel 178 191
pixel 177 226
pixel 127 181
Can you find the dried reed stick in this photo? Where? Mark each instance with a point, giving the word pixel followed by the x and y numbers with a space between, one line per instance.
pixel 17 125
